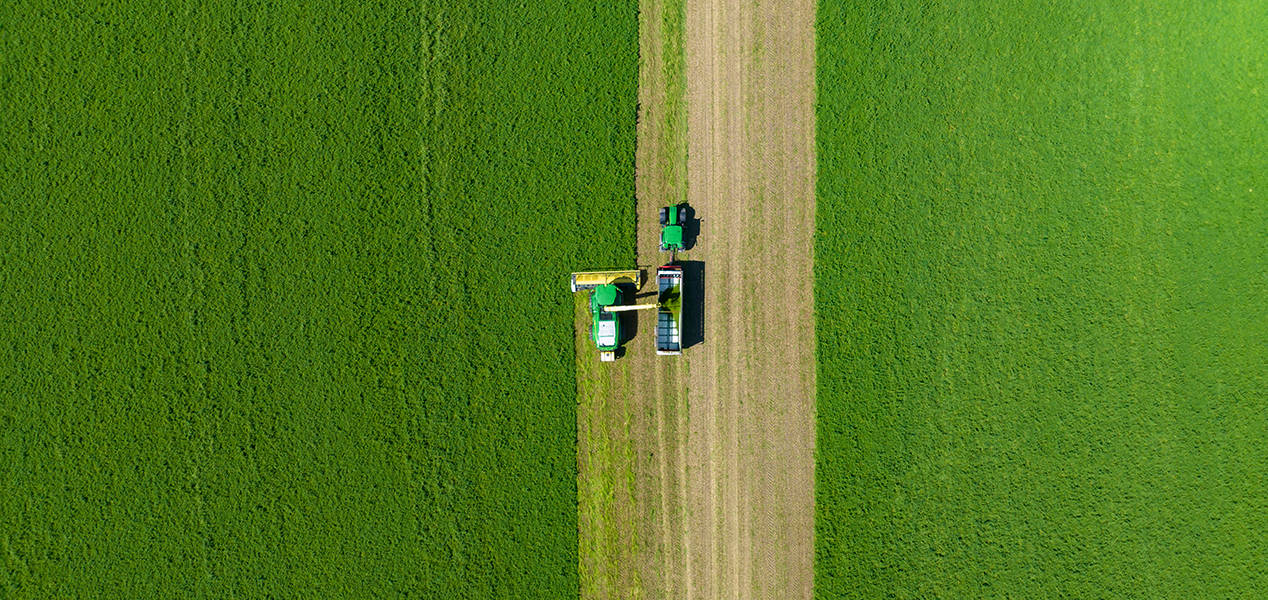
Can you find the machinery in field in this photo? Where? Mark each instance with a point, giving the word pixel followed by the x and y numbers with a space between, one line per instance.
pixel 607 299
pixel 671 222
pixel 606 292
pixel 606 329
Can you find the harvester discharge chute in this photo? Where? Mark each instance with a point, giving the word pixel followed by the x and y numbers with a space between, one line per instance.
pixel 668 308
pixel 588 280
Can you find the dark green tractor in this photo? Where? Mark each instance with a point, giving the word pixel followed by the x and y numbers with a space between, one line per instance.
pixel 672 219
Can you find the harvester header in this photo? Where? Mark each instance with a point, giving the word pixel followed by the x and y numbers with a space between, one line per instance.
pixel 588 280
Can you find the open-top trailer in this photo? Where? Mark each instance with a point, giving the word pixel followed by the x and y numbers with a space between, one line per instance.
pixel 669 310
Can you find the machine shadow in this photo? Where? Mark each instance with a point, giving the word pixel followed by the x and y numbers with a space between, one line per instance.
pixel 628 319
pixel 690 229
pixel 693 308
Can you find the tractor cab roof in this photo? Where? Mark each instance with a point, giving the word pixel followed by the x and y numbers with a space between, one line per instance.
pixel 671 235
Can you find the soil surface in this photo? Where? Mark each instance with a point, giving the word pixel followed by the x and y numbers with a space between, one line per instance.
pixel 751 382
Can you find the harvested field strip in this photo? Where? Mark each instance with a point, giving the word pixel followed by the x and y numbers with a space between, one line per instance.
pixel 750 106
pixel 672 80
pixel 609 532
pixel 662 130
pixel 1040 280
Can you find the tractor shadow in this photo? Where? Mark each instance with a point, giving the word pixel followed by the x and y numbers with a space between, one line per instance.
pixel 693 306
pixel 690 229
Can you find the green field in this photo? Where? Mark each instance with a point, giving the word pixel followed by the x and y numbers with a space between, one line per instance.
pixel 1042 300
pixel 284 292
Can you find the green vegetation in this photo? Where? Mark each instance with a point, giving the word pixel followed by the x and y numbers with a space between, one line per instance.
pixel 538 150
pixel 1042 273
pixel 284 293
pixel 673 78
pixel 663 82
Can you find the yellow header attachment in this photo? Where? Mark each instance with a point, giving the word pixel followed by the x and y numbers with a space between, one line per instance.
pixel 588 280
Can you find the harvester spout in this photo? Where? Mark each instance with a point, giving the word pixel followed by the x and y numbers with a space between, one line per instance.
pixel 628 307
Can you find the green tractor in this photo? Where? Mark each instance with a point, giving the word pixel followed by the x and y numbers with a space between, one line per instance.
pixel 606 330
pixel 671 222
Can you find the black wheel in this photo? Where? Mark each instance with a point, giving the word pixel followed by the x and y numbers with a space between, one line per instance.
pixel 664 216
pixel 682 215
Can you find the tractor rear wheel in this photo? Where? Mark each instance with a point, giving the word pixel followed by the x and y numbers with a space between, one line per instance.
pixel 664 216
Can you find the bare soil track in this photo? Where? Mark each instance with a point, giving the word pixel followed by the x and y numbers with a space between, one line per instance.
pixel 750 104
pixel 721 501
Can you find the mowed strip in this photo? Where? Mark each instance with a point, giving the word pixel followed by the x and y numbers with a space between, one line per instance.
pixel 659 383
pixel 750 105
pixel 607 517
